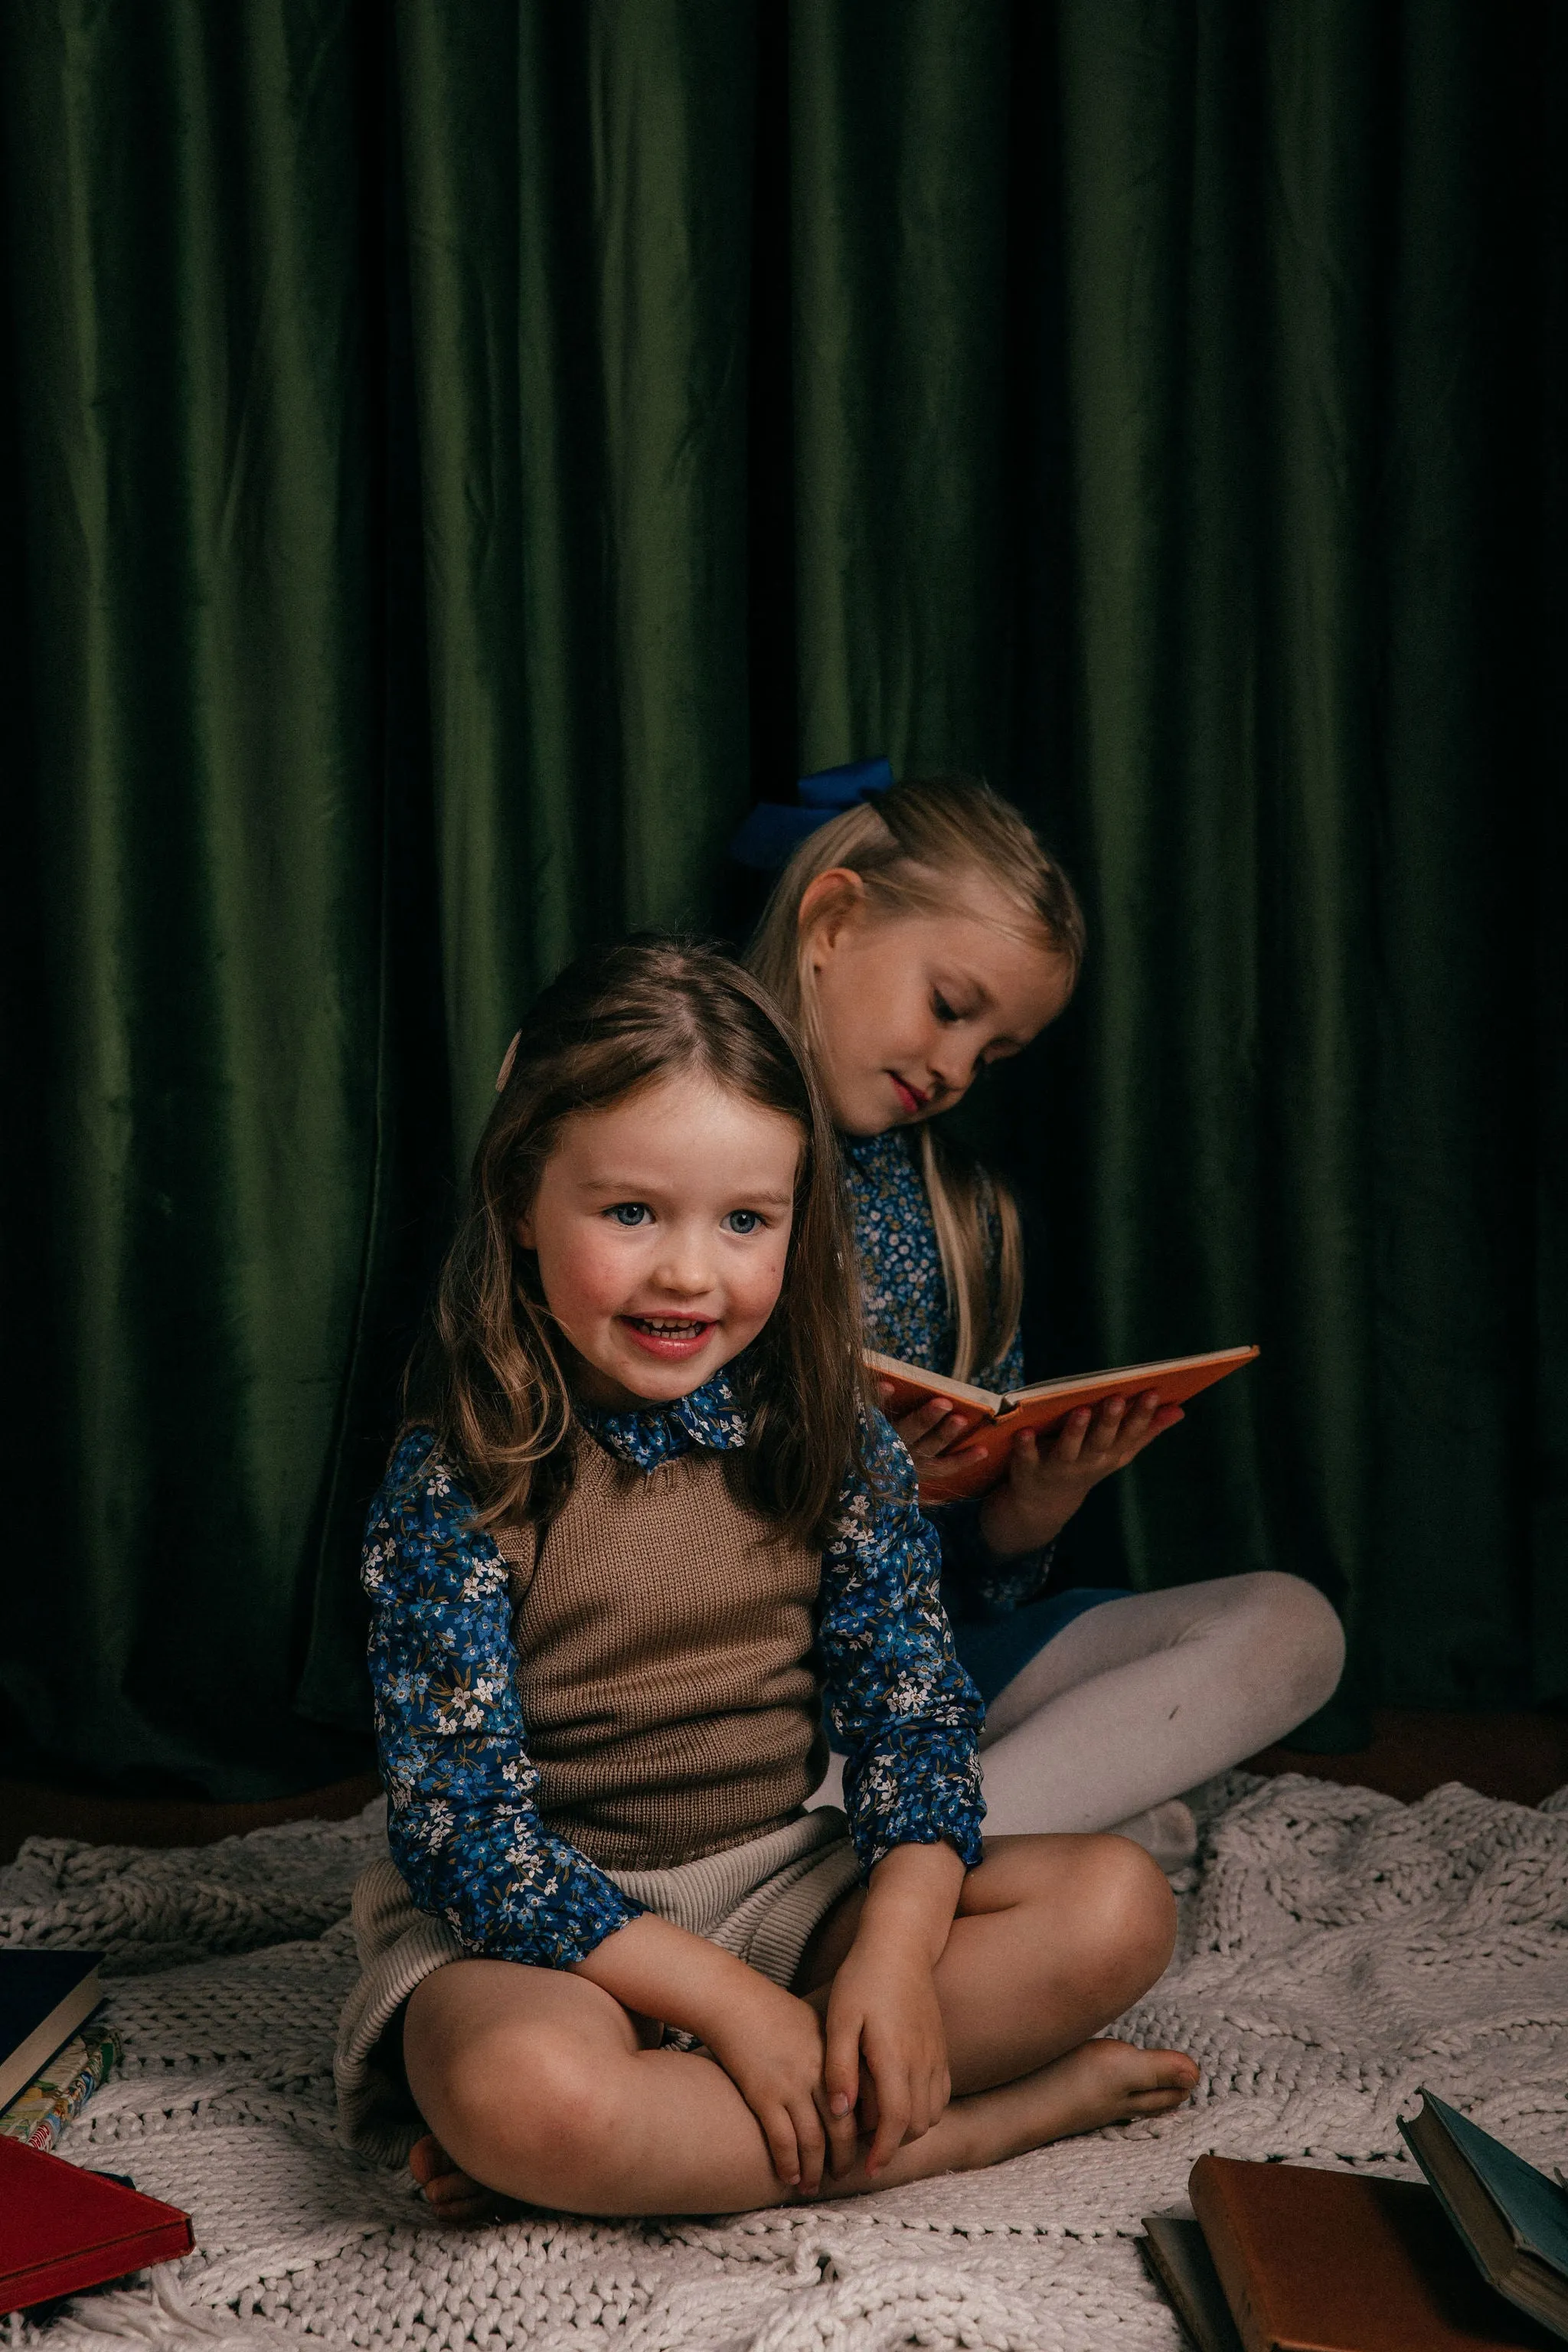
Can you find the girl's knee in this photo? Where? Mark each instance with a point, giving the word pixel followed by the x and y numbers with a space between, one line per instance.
pixel 1133 1898
pixel 1298 1635
pixel 527 2111
pixel 1123 1913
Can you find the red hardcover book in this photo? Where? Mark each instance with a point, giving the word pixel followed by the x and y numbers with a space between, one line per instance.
pixel 62 2229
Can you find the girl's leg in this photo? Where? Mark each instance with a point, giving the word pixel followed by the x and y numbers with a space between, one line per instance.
pixel 1144 1696
pixel 537 2086
pixel 1054 1938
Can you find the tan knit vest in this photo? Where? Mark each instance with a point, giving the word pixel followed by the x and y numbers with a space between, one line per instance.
pixel 664 1663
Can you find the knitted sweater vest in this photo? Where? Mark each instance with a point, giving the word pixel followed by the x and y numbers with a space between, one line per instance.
pixel 664 1641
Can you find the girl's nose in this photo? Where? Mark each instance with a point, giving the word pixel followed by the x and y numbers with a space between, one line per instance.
pixel 950 1071
pixel 685 1268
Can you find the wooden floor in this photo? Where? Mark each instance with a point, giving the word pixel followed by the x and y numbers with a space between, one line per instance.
pixel 1522 1757
pixel 28 1809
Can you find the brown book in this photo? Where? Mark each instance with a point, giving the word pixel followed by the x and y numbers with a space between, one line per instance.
pixel 992 1421
pixel 1337 2262
pixel 1177 2253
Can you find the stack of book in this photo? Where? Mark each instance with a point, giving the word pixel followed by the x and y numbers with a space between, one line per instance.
pixel 63 2227
pixel 53 2056
pixel 62 2087
pixel 1286 2258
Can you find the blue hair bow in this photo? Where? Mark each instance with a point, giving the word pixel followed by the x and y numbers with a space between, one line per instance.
pixel 772 832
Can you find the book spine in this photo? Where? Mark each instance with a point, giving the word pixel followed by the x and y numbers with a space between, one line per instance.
pixel 70 2274
pixel 1210 2206
pixel 39 2125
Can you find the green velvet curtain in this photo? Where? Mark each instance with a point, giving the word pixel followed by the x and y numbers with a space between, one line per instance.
pixel 455 456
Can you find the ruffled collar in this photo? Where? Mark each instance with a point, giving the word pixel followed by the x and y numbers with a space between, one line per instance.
pixel 710 1417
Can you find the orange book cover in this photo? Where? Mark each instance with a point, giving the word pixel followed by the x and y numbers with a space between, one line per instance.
pixel 993 1419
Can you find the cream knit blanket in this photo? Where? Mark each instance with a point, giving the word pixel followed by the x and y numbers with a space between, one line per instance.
pixel 1338 1948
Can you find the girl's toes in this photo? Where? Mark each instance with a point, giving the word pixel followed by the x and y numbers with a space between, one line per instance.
pixel 1158 2103
pixel 456 2202
pixel 1146 2082
pixel 450 2193
pixel 1168 2075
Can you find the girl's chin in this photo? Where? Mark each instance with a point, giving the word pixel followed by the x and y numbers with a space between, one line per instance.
pixel 864 1120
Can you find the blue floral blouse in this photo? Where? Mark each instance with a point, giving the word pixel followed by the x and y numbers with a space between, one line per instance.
pixel 462 1820
pixel 907 1315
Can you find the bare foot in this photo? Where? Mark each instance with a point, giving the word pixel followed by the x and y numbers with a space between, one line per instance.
pixel 450 2194
pixel 1099 2083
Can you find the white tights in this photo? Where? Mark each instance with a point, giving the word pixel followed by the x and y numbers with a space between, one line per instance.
pixel 1142 1698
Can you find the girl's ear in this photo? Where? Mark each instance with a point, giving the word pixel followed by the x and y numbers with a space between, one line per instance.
pixel 830 902
pixel 523 1230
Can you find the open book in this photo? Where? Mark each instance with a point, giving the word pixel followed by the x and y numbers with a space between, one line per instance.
pixel 1512 2218
pixel 993 1421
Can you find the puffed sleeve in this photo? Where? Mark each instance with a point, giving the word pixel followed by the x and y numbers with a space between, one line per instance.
pixel 461 1817
pixel 905 1712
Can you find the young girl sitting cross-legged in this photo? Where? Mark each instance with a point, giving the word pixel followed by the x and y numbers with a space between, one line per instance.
pixel 640 1531
pixel 915 939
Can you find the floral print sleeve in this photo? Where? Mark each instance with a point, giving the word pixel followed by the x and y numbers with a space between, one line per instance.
pixel 460 1819
pixel 903 1708
pixel 907 1315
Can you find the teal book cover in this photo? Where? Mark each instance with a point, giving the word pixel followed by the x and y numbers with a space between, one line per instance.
pixel 1535 2208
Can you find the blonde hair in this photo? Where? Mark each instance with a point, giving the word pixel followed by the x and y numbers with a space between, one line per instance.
pixel 909 846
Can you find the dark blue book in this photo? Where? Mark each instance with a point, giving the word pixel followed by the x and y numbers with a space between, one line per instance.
pixel 1514 2219
pixel 44 1997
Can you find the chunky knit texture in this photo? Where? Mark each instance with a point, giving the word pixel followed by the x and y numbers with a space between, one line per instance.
pixel 664 1643
pixel 1338 1949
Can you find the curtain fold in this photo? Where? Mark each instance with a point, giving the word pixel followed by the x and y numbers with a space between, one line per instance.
pixel 456 457
pixel 579 199
pixel 186 341
pixel 899 161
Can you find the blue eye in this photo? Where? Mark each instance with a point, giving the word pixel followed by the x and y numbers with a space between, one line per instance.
pixel 742 1221
pixel 628 1212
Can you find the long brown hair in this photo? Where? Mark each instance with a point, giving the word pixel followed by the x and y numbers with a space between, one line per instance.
pixel 489 1376
pixel 911 846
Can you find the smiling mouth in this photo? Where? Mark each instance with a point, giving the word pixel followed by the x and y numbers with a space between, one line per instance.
pixel 910 1097
pixel 667 1335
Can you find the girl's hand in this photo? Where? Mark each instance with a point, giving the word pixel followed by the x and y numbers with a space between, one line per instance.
pixel 768 2043
pixel 883 2015
pixel 934 1431
pixel 1043 1488
pixel 771 2044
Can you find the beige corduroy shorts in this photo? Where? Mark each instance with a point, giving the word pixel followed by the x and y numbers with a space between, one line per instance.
pixel 762 1901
